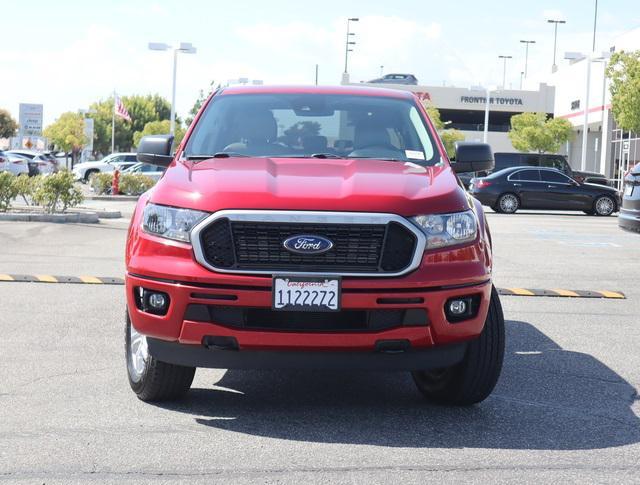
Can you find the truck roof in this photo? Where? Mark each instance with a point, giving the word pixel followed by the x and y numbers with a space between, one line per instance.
pixel 346 90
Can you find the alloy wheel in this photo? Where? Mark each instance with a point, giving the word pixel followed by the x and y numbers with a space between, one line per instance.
pixel 508 203
pixel 604 206
pixel 138 353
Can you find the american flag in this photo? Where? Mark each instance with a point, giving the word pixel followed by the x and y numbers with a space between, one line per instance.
pixel 120 110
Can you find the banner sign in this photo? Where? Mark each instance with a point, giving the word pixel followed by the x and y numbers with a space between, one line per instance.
pixel 30 120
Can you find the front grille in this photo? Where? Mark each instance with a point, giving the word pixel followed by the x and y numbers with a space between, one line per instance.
pixel 267 319
pixel 357 248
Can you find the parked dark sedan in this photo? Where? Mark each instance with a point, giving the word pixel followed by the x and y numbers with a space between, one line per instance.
pixel 396 79
pixel 629 217
pixel 542 188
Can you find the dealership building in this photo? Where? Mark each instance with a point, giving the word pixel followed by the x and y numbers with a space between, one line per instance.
pixel 610 150
pixel 464 109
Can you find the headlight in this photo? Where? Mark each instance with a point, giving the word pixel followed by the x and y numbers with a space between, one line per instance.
pixel 448 229
pixel 170 222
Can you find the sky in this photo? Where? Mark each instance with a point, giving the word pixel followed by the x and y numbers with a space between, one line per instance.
pixel 67 54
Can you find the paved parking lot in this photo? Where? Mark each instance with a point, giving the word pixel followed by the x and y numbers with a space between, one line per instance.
pixel 566 408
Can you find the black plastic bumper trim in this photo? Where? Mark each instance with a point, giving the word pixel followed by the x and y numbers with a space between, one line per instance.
pixel 200 356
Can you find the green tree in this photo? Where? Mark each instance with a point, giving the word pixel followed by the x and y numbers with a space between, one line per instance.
pixel 159 128
pixel 535 132
pixel 202 97
pixel 450 136
pixel 67 133
pixel 142 110
pixel 624 72
pixel 8 125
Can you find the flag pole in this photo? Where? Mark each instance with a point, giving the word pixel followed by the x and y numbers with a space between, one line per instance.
pixel 113 123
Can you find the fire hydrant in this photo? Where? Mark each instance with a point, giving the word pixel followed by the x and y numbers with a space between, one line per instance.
pixel 115 183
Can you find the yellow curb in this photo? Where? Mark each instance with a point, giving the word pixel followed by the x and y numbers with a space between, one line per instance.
pixel 521 291
pixel 45 278
pixel 610 294
pixel 565 292
pixel 90 279
pixel 5 277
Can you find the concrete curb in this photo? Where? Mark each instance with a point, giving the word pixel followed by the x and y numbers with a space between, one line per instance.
pixel 113 197
pixel 77 217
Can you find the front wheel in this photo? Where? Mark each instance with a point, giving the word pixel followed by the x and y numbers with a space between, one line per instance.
pixel 151 379
pixel 604 206
pixel 473 379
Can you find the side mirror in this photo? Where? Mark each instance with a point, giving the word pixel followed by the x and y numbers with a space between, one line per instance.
pixel 156 150
pixel 473 157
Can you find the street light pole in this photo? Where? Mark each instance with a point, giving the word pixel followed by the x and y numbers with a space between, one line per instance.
pixel 172 126
pixel 504 69
pixel 185 47
pixel 555 23
pixel 595 21
pixel 526 55
pixel 348 43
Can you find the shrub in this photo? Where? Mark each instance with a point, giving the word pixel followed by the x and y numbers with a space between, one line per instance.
pixel 135 183
pixel 7 190
pixel 58 192
pixel 26 187
pixel 101 182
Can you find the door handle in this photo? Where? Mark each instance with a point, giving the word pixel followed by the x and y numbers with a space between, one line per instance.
pixel 517 185
pixel 552 186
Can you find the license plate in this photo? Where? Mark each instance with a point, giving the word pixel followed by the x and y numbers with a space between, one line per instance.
pixel 301 293
pixel 628 189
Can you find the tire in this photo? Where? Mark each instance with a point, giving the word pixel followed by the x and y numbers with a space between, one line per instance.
pixel 472 380
pixel 508 203
pixel 604 206
pixel 89 173
pixel 151 379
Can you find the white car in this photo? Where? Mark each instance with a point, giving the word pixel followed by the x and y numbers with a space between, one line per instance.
pixel 108 164
pixel 39 162
pixel 152 171
pixel 13 164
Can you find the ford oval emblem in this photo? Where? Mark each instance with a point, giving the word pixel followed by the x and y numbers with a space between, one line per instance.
pixel 307 244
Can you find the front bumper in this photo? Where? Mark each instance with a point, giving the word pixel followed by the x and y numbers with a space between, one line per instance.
pixel 179 337
pixel 629 219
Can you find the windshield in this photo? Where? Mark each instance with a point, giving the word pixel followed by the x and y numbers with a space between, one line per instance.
pixel 305 125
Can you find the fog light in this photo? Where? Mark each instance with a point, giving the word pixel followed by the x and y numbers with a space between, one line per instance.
pixel 462 308
pixel 151 301
pixel 158 301
pixel 457 307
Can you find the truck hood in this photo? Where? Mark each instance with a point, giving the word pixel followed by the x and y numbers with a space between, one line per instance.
pixel 311 184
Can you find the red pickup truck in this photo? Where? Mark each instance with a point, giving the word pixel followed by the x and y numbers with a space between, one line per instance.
pixel 312 227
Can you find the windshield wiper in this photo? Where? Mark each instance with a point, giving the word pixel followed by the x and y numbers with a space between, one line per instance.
pixel 215 155
pixel 324 155
pixel 384 159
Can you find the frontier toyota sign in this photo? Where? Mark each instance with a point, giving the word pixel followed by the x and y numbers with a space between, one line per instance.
pixel 492 100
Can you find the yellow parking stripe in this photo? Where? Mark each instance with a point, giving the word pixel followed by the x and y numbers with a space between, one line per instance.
pixel 521 292
pixel 90 279
pixel 5 277
pixel 45 278
pixel 565 292
pixel 611 294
